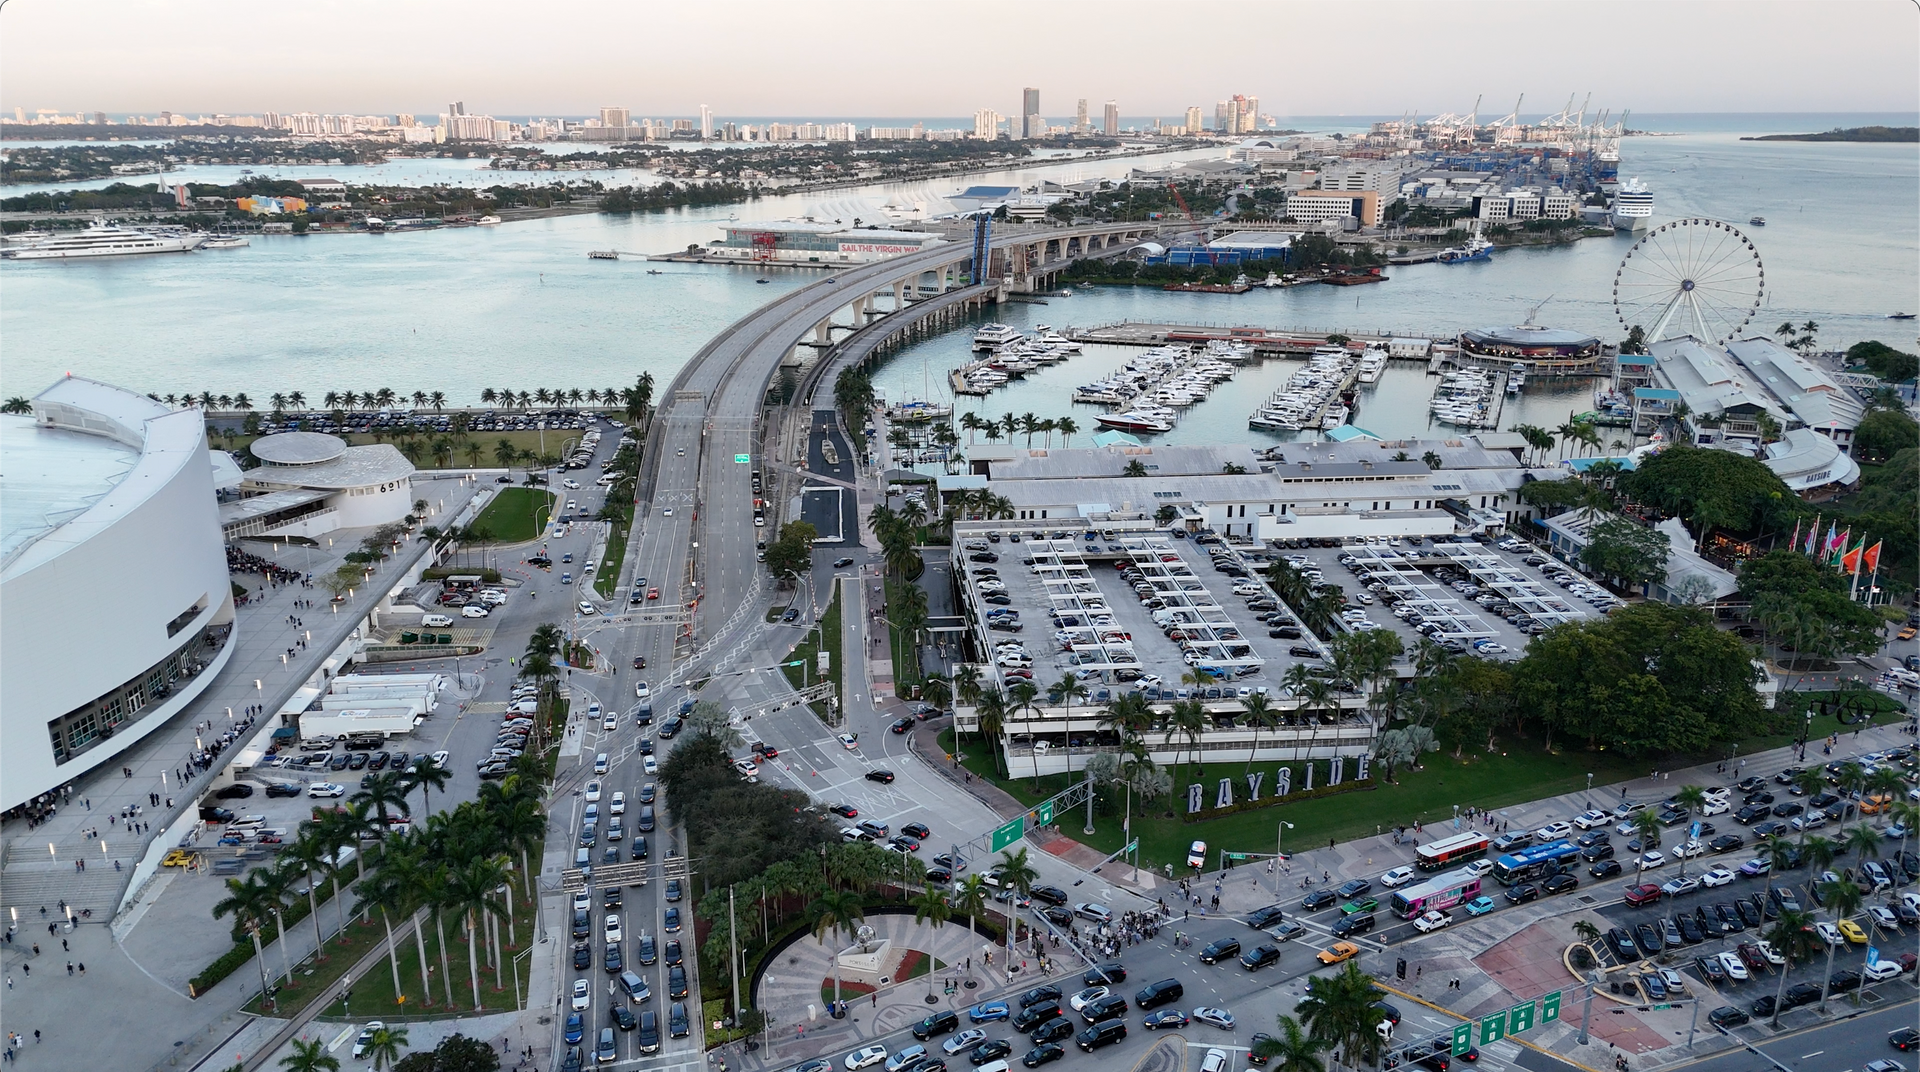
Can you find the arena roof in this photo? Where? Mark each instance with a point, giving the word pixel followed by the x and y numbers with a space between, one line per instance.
pixel 48 475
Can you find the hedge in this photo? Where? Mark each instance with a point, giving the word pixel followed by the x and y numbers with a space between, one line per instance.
pixel 229 962
pixel 1354 786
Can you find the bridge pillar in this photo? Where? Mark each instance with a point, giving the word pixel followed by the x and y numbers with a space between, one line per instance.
pixel 821 336
pixel 899 295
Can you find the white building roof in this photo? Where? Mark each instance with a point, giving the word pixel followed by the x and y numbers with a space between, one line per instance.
pixel 1804 459
pixel 1708 380
pixel 1797 385
pixel 355 467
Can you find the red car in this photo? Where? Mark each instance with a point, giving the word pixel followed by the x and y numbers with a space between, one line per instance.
pixel 653 593
pixel 1644 894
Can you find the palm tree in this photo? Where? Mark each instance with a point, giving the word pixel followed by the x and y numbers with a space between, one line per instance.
pixel 1907 814
pixel 1295 1048
pixel 1588 934
pixel 1778 854
pixel 1187 719
pixel 1338 1011
pixel 386 893
pixel 1259 713
pixel 970 896
pixel 384 1047
pixel 424 774
pixel 278 884
pixel 382 791
pixel 470 893
pixel 832 911
pixel 990 713
pixel 1066 427
pixel 1843 899
pixel 966 684
pixel 1860 840
pixel 307 857
pixel 1791 936
pixel 1647 825
pixel 1068 688
pixel 930 906
pixel 296 400
pixel 1691 799
pixel 1021 695
pixel 248 901
pixel 310 1055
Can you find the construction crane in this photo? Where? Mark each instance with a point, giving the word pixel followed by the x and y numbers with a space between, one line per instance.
pixel 1206 236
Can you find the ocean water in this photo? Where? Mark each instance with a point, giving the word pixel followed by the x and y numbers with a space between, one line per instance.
pixel 521 306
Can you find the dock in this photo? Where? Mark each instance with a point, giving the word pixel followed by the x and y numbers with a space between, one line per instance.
pixel 1265 341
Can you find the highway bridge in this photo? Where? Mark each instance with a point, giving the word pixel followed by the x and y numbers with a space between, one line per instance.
pixel 696 538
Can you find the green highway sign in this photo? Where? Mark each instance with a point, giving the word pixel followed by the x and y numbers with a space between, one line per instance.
pixel 1550 1008
pixel 1493 1028
pixel 742 459
pixel 796 662
pixel 1131 845
pixel 1661 1007
pixel 1462 1039
pixel 1520 1018
pixel 1236 856
pixel 1008 833
pixel 1044 813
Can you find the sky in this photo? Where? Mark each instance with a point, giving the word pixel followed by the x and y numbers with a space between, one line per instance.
pixel 829 58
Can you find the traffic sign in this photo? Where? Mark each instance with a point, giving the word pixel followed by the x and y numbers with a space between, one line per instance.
pixel 1550 1008
pixel 1493 1028
pixel 1008 833
pixel 1131 845
pixel 1044 813
pixel 1520 1018
pixel 1462 1039
pixel 1236 856
pixel 742 459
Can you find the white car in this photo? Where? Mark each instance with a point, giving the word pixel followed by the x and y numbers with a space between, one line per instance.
pixel 440 759
pixel 1553 831
pixel 1480 868
pixel 641 690
pixel 965 1040
pixel 1675 887
pixel 581 999
pixel 619 805
pixel 326 789
pixel 1736 969
pixel 746 768
pixel 593 790
pixel 1882 970
pixel 668 512
pixel 1431 921
pixel 586 607
pixel 1688 850
pixel 1587 820
pixel 613 929
pixel 864 1056
pixel 1651 860
pixel 436 621
pixel 649 766
pixel 611 722
pixel 1095 912
pixel 474 610
pixel 1397 877
pixel 1714 806
pixel 1214 1061
pixel 1087 997
pixel 1829 933
pixel 1773 955
pixel 363 1044
pixel 570 484
pixel 848 741
pixel 1717 877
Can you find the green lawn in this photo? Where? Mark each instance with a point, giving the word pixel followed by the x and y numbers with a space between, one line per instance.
pixel 616 554
pixel 807 653
pixel 516 515
pixel 906 661
pixel 1521 774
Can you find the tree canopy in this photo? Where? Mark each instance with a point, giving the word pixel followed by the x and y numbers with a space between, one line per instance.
pixel 1710 489
pixel 736 828
pixel 1884 361
pixel 1635 554
pixel 1883 434
pixel 1805 605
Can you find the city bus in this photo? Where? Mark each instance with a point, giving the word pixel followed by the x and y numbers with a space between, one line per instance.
pixel 1442 893
pixel 1533 862
pixel 1452 851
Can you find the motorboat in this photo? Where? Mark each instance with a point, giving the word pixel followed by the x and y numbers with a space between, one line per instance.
pixel 1136 420
pixel 103 239
pixel 226 241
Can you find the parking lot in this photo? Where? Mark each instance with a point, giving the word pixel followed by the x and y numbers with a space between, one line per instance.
pixel 1472 595
pixel 1127 608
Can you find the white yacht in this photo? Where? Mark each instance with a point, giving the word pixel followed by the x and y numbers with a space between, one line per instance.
pixel 103 239
pixel 993 336
pixel 227 241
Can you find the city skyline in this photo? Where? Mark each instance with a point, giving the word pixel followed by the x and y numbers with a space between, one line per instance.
pixel 1857 56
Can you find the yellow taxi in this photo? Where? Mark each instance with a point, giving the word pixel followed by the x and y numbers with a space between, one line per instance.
pixel 1338 952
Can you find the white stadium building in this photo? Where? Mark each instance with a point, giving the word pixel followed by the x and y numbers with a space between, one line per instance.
pixel 116 609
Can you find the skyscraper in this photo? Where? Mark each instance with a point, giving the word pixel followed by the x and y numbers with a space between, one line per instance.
pixel 706 123
pixel 1029 108
pixel 613 117
pixel 1193 120
pixel 986 124
pixel 1080 124
pixel 1110 122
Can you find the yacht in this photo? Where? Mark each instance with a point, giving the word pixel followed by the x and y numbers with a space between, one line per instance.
pixel 487 221
pixel 226 241
pixel 1372 364
pixel 1516 378
pixel 992 336
pixel 1137 420
pixel 103 239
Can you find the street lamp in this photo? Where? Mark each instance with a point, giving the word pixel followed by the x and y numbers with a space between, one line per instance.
pixel 1589 789
pixel 1277 857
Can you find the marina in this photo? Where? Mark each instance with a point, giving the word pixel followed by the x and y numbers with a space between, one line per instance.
pixel 1317 396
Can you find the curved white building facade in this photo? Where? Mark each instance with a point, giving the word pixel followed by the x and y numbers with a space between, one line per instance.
pixel 310 483
pixel 116 609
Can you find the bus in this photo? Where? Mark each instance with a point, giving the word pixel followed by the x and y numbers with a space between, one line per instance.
pixel 1534 862
pixel 1443 892
pixel 1448 852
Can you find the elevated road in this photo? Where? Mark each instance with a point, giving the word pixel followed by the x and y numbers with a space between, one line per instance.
pixel 694 514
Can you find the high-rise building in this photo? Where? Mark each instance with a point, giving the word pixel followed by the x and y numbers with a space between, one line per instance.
pixel 613 117
pixel 1080 124
pixel 706 123
pixel 457 108
pixel 1193 120
pixel 1029 108
pixel 986 124
pixel 1110 121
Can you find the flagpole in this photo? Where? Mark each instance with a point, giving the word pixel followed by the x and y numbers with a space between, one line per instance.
pixel 1858 553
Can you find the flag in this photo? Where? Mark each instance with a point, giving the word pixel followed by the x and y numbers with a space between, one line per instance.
pixel 1795 541
pixel 1813 536
pixel 1850 561
pixel 1834 540
pixel 1839 547
pixel 1873 557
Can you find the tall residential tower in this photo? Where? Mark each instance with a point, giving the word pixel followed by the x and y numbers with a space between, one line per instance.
pixel 1030 112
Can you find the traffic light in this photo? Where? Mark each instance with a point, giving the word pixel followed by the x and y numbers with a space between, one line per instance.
pixel 1400 968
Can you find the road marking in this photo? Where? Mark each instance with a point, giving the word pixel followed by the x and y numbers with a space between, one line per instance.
pixel 1815 1053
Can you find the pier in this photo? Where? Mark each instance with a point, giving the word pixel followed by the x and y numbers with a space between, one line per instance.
pixel 1265 341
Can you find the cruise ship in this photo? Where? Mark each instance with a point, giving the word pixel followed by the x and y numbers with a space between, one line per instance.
pixel 1632 206
pixel 103 239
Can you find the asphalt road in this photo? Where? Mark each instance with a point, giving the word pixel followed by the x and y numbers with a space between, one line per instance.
pixel 1840 1046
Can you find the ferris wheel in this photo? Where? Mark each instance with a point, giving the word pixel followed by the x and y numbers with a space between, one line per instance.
pixel 1692 276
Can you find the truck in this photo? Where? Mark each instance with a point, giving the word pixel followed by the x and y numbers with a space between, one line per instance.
pixel 367 701
pixel 387 722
